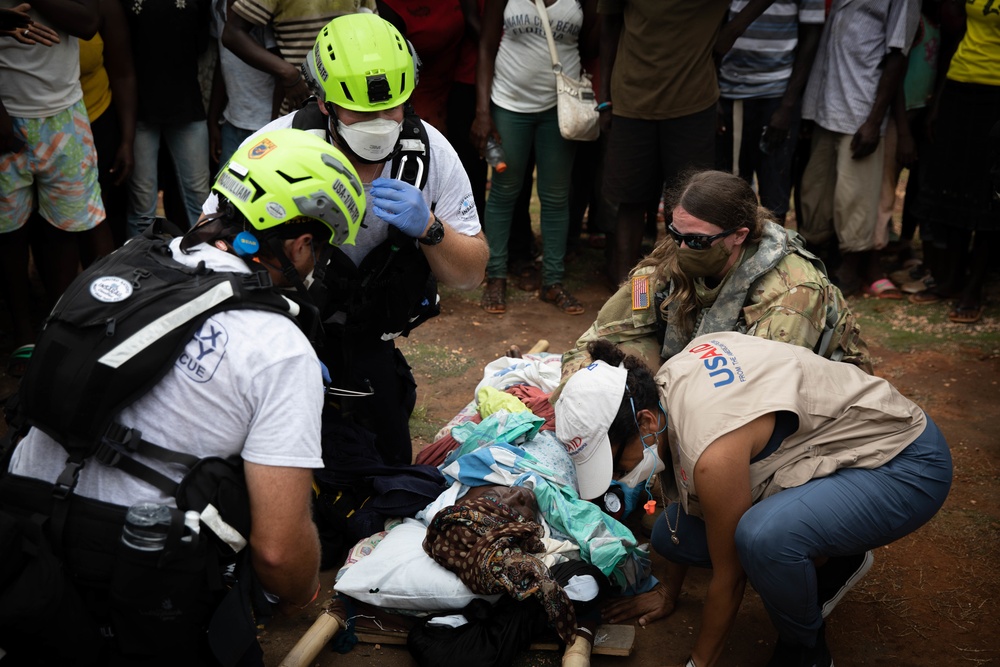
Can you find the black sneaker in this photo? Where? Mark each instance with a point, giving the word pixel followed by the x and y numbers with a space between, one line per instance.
pixel 795 655
pixel 838 576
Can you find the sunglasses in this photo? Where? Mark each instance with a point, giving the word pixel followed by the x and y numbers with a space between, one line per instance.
pixel 698 241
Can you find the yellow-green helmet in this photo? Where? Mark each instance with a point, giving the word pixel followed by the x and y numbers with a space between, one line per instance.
pixel 362 63
pixel 283 175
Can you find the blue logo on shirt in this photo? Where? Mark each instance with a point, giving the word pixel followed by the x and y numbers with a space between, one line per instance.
pixel 203 354
pixel 720 362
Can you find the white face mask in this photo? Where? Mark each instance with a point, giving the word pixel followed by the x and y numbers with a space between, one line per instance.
pixel 371 139
pixel 650 464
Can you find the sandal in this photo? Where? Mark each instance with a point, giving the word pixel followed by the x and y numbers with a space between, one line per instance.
pixel 17 362
pixel 883 289
pixel 494 299
pixel 966 314
pixel 558 296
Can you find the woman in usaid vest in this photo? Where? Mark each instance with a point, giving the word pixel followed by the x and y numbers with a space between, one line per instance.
pixel 783 464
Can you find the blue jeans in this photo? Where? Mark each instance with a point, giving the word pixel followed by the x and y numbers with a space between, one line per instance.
pixel 188 146
pixel 773 169
pixel 849 512
pixel 232 137
pixel 554 161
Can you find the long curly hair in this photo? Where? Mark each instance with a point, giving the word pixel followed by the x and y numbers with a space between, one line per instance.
pixel 718 197
pixel 639 386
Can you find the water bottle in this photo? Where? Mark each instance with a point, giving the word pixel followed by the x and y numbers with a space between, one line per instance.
pixel 192 526
pixel 146 526
pixel 495 156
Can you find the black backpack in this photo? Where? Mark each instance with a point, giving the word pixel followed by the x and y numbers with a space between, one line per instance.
pixel 117 330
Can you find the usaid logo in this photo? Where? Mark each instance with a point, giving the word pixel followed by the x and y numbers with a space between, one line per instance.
pixel 574 445
pixel 467 209
pixel 720 362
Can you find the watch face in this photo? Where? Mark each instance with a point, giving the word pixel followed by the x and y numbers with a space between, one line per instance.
pixel 435 233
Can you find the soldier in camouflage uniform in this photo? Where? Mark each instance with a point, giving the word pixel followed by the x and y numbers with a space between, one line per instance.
pixel 773 289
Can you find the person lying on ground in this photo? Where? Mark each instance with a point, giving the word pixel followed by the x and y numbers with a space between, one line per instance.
pixel 488 539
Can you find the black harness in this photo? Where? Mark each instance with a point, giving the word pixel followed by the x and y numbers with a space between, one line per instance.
pixel 393 290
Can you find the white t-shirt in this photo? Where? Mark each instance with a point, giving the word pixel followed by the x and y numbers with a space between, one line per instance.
pixel 522 75
pixel 247 384
pixel 448 192
pixel 39 81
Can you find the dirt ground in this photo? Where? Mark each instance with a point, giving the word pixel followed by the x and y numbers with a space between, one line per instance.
pixel 931 599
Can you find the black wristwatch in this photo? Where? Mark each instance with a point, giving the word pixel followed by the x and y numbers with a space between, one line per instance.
pixel 435 233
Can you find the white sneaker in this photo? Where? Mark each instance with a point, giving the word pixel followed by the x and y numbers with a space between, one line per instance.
pixel 838 576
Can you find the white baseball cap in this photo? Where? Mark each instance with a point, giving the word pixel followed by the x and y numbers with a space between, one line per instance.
pixel 588 404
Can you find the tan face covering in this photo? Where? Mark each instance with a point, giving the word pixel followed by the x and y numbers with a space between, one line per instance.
pixel 703 263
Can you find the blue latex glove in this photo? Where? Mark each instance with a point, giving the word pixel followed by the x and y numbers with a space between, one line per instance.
pixel 401 205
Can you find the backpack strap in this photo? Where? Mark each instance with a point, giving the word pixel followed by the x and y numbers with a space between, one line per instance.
pixel 309 117
pixel 797 245
pixel 412 161
pixel 829 329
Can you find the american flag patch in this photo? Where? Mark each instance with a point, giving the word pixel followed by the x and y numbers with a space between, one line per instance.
pixel 640 292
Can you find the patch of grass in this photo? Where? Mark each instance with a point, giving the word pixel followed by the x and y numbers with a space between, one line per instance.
pixel 433 362
pixel 902 326
pixel 422 427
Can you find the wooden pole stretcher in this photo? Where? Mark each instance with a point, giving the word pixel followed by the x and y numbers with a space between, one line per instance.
pixel 315 638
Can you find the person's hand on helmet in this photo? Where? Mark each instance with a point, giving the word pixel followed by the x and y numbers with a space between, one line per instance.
pixel 401 205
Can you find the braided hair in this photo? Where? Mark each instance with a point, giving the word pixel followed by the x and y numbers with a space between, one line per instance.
pixel 639 387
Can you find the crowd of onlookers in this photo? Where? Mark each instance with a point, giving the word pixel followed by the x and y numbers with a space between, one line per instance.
pixel 107 104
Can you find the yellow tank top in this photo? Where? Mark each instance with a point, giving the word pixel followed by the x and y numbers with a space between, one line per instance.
pixel 977 56
pixel 93 77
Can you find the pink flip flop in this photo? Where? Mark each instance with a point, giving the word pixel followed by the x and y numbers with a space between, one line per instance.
pixel 883 289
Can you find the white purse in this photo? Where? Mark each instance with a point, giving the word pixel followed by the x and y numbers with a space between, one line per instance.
pixel 575 101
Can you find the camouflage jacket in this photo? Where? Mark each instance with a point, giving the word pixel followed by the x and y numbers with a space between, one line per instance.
pixel 778 291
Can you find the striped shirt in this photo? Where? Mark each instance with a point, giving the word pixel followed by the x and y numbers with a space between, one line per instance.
pixel 857 37
pixel 760 62
pixel 297 22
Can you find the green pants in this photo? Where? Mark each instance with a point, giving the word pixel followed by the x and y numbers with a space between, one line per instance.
pixel 520 132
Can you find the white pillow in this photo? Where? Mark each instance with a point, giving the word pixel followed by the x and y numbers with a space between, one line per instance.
pixel 398 574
